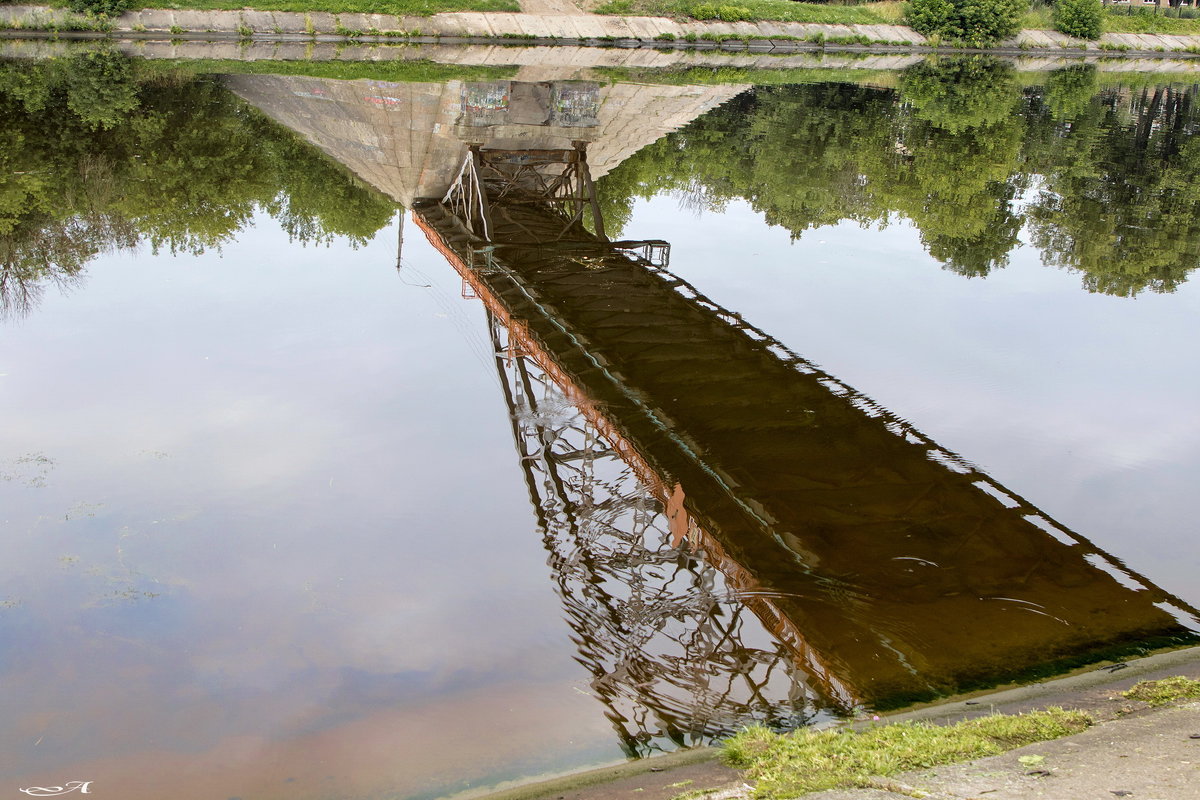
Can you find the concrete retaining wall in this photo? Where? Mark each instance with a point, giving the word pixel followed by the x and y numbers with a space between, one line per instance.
pixel 565 61
pixel 558 29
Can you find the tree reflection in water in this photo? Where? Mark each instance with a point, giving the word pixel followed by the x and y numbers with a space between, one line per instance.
pixel 101 152
pixel 1105 176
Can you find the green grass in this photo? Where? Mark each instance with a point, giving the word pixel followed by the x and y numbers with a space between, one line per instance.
pixel 1168 690
pixel 884 13
pixel 1139 21
pixel 393 71
pixel 1128 80
pixel 1038 18
pixel 423 8
pixel 1144 20
pixel 886 79
pixel 812 761
pixel 76 23
pixel 709 76
pixel 877 13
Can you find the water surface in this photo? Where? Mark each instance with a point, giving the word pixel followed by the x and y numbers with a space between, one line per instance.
pixel 287 515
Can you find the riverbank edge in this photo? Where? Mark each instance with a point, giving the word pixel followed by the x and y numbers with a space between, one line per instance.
pixel 556 29
pixel 1083 690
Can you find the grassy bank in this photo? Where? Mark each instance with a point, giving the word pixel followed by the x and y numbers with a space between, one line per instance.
pixel 812 761
pixel 1143 21
pixel 877 78
pixel 1124 20
pixel 390 71
pixel 794 764
pixel 885 13
pixel 718 76
pixel 422 8
pixel 890 12
pixel 1165 691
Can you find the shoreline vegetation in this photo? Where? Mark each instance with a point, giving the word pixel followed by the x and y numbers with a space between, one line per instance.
pixel 804 761
pixel 962 132
pixel 400 8
pixel 1116 19
pixel 887 12
pixel 774 26
pixel 1034 25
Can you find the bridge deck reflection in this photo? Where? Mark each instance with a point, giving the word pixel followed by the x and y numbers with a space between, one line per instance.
pixel 899 570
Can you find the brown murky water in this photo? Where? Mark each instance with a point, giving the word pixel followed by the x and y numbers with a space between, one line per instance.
pixel 306 495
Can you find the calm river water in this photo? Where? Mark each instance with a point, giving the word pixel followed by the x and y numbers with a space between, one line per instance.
pixel 312 487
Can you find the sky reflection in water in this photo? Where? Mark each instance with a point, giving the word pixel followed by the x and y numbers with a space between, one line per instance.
pixel 229 446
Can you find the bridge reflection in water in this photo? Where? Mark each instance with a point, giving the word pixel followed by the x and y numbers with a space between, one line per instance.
pixel 735 533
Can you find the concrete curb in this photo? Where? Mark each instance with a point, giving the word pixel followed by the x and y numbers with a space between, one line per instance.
pixel 554 29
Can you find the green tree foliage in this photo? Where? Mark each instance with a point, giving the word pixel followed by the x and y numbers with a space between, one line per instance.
pixel 1070 91
pixel 959 169
pixel 813 155
pixel 1120 202
pixel 98 152
pixel 959 94
pixel 1107 183
pixel 1081 18
pixel 932 17
pixel 798 168
pixel 973 22
pixel 101 89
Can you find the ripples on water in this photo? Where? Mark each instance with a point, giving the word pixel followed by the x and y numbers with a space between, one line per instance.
pixel 281 524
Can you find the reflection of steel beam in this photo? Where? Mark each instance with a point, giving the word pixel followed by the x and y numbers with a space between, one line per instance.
pixel 556 180
pixel 908 571
pixel 654 252
pixel 468 198
pixel 673 655
pixel 399 237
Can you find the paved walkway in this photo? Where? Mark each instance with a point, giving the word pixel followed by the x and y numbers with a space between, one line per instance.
pixel 1136 752
pixel 556 22
pixel 1150 756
